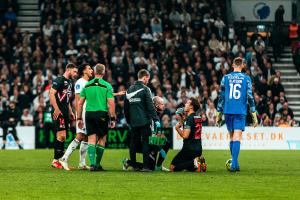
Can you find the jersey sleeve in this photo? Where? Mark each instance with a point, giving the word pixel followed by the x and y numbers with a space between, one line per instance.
pixel 78 87
pixel 189 123
pixel 110 92
pixel 221 96
pixel 57 83
pixel 83 93
pixel 250 95
pixel 149 105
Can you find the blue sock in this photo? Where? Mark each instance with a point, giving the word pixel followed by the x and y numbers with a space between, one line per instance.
pixel 235 153
pixel 230 145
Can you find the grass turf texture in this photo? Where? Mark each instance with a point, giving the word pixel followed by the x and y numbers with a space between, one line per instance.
pixel 265 175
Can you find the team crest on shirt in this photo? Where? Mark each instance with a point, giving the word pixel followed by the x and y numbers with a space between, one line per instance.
pixel 66 83
pixel 77 87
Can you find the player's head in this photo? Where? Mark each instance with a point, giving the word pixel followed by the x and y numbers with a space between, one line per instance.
pixel 144 76
pixel 85 70
pixel 159 103
pixel 71 71
pixel 192 105
pixel 238 64
pixel 99 69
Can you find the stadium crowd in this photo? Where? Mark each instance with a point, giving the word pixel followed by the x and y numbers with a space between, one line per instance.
pixel 187 45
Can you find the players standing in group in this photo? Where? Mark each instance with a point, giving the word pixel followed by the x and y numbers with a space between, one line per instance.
pixel 86 73
pixel 236 89
pixel 60 94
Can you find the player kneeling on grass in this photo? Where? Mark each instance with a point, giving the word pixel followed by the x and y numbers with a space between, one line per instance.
pixel 86 73
pixel 236 89
pixel 99 98
pixel 189 158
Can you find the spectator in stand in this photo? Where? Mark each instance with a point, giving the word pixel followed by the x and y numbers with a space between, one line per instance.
pixel 286 111
pixel 279 21
pixel 26 118
pixel 276 87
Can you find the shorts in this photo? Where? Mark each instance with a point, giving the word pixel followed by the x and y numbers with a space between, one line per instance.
pixel 62 123
pixel 235 122
pixel 83 130
pixel 96 123
pixel 186 155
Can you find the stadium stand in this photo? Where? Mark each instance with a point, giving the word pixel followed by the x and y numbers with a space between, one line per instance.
pixel 188 46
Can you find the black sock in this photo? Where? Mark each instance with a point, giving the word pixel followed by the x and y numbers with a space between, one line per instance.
pixel 58 149
pixel 160 159
pixel 135 164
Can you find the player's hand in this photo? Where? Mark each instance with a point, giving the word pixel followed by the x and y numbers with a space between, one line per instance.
pixel 72 116
pixel 219 118
pixel 112 124
pixel 121 93
pixel 179 125
pixel 56 114
pixel 80 123
pixel 254 119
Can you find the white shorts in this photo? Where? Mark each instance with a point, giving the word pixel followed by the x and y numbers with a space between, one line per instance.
pixel 83 130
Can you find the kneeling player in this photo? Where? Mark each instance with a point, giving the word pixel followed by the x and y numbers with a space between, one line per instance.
pixel 189 157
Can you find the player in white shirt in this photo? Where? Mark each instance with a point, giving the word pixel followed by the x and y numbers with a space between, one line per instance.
pixel 86 73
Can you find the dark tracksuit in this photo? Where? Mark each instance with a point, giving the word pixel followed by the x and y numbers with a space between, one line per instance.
pixel 139 112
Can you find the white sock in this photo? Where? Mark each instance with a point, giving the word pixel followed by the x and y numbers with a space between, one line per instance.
pixel 196 163
pixel 82 153
pixel 72 146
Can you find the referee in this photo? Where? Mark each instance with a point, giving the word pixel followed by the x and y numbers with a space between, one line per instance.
pixel 99 98
pixel 139 112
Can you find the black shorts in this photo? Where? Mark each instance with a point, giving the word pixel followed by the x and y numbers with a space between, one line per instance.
pixel 62 123
pixel 185 155
pixel 96 123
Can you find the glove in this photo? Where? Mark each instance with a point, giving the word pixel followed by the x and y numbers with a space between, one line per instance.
pixel 179 111
pixel 254 119
pixel 157 124
pixel 219 118
pixel 163 153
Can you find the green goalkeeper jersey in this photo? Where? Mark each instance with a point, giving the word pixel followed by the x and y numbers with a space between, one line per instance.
pixel 96 92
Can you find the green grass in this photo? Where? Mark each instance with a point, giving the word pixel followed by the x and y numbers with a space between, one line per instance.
pixel 264 175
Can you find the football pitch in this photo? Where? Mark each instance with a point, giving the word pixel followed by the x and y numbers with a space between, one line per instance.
pixel 264 175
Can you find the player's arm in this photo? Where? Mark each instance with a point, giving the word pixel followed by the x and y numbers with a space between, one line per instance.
pixel 150 108
pixel 71 112
pixel 126 110
pixel 186 130
pixel 251 102
pixel 121 93
pixel 221 101
pixel 111 107
pixel 52 93
pixel 79 105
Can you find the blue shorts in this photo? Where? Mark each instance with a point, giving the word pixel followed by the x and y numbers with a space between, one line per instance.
pixel 235 122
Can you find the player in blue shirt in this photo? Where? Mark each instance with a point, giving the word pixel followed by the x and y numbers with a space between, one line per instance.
pixel 236 90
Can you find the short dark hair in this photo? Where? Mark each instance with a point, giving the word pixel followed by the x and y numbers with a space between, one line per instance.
pixel 70 66
pixel 142 73
pixel 195 103
pixel 81 68
pixel 238 61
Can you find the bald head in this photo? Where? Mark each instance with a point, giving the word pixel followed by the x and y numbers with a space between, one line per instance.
pixel 159 103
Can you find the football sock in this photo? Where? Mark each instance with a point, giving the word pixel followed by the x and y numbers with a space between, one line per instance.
pixel 99 154
pixel 91 152
pixel 230 145
pixel 82 153
pixel 135 165
pixel 235 153
pixel 58 149
pixel 188 165
pixel 72 146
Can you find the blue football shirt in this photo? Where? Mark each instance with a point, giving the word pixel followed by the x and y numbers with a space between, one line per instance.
pixel 236 92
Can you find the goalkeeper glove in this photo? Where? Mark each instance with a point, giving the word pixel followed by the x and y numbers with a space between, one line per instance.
pixel 254 119
pixel 219 118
